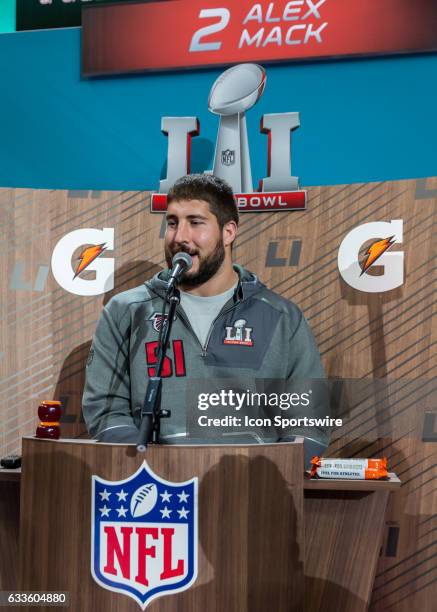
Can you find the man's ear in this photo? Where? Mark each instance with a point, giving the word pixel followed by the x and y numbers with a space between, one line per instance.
pixel 229 232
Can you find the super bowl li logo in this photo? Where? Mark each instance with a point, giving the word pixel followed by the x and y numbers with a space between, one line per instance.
pixel 234 92
pixel 144 535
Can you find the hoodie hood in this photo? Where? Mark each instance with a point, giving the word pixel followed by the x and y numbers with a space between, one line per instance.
pixel 248 283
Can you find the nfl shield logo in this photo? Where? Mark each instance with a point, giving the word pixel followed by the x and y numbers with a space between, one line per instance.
pixel 144 535
pixel 228 157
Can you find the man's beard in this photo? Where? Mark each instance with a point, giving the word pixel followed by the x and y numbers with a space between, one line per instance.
pixel 208 266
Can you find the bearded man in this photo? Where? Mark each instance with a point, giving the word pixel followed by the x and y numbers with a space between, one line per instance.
pixel 227 325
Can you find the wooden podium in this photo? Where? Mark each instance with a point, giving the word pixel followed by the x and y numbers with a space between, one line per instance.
pixel 251 523
pixel 265 534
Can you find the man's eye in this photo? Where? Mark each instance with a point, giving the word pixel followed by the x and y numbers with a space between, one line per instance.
pixel 171 224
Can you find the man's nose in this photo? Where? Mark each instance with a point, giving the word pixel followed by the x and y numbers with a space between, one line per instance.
pixel 182 235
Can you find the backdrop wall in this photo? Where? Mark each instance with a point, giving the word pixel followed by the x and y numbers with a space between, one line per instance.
pixel 67 144
pixel 384 341
pixel 361 120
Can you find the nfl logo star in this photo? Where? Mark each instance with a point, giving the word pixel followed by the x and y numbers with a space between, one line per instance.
pixel 144 535
pixel 228 157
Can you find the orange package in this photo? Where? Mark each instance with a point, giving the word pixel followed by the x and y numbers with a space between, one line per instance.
pixel 354 469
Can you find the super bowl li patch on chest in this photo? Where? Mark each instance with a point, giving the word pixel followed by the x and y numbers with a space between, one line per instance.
pixel 144 535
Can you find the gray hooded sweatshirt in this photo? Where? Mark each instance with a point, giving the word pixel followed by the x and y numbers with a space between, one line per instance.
pixel 258 340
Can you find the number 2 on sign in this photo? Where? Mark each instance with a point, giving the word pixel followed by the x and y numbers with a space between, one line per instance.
pixel 224 15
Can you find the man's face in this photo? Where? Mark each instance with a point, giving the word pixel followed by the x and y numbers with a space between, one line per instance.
pixel 192 228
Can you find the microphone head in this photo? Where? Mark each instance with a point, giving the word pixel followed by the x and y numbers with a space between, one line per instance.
pixel 183 259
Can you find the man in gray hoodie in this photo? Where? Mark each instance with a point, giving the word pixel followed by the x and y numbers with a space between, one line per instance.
pixel 228 325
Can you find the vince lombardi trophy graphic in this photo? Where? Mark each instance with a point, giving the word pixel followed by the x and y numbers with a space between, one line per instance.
pixel 233 93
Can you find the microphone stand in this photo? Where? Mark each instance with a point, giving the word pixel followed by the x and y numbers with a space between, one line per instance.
pixel 152 412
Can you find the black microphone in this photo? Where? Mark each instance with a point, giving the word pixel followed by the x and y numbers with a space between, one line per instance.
pixel 181 262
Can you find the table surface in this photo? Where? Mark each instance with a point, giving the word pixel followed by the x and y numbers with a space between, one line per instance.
pixel 337 484
pixel 6 474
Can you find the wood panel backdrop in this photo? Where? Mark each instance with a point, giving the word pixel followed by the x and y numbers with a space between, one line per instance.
pixel 384 342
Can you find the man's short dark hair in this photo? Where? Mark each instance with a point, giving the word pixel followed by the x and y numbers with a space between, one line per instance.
pixel 211 189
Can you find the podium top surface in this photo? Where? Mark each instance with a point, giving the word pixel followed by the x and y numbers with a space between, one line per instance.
pixel 392 483
pixel 298 440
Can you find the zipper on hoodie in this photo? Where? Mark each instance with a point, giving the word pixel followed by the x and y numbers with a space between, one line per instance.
pixel 205 348
pixel 187 324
